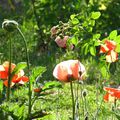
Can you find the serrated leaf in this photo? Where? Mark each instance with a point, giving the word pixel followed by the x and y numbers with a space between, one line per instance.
pixel 95 15
pixel 75 21
pixel 117 115
pixel 51 85
pixel 37 71
pixel 19 67
pixel 92 50
pixel 113 35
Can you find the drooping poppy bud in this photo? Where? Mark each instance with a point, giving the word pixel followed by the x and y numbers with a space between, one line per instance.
pixel 9 25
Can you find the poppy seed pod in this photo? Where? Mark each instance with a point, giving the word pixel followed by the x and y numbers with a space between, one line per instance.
pixel 9 25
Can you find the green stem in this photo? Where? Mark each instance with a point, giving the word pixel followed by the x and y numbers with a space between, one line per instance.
pixel 35 13
pixel 73 102
pixel 27 59
pixel 9 70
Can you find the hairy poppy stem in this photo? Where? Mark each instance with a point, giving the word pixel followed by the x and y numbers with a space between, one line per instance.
pixel 9 71
pixel 27 59
pixel 73 102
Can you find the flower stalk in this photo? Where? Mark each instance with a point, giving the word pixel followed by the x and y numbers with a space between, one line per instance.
pixel 28 66
pixel 73 102
pixel 9 70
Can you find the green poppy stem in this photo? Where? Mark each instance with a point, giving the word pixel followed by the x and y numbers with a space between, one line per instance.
pixel 9 70
pixel 73 102
pixel 27 59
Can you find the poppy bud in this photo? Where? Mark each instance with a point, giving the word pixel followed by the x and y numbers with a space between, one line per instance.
pixel 37 90
pixel 61 23
pixel 84 93
pixel 9 25
pixel 80 82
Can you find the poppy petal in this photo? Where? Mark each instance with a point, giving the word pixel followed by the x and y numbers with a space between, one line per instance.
pixel 6 83
pixel 114 92
pixel 3 73
pixel 103 49
pixel 75 69
pixel 6 66
pixel 111 45
pixel 112 56
pixel 106 97
pixel 61 73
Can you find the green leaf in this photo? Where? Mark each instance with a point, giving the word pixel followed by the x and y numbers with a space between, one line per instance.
pixel 51 85
pixel 86 49
pixel 95 15
pixel 96 36
pixel 92 22
pixel 37 71
pixel 19 67
pixel 74 40
pixel 117 48
pixel 117 39
pixel 117 114
pixel 113 35
pixel 75 21
pixel 104 71
pixel 72 16
pixel 92 50
pixel 1 85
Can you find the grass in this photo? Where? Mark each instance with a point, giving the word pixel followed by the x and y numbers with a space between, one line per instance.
pixel 59 104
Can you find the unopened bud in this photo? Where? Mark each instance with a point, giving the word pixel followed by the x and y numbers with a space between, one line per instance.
pixel 84 93
pixel 9 25
pixel 61 23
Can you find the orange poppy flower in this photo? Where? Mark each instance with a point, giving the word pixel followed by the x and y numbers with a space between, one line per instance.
pixel 113 93
pixel 4 68
pixel 17 78
pixel 109 48
pixel 109 98
pixel 69 69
